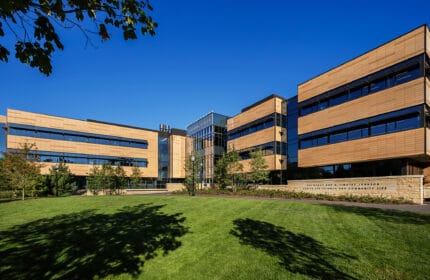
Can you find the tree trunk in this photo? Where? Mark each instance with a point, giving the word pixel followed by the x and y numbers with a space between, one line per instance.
pixel 23 194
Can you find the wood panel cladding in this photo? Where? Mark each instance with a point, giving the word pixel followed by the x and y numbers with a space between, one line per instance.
pixel 33 119
pixel 85 169
pixel 151 154
pixel 393 145
pixel 428 91
pixel 260 137
pixel 261 110
pixel 273 162
pixel 177 156
pixel 392 99
pixel 428 41
pixel 402 48
pixel 428 143
pixel 2 119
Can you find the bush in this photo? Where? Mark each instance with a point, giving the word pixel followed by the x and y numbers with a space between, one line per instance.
pixel 6 194
pixel 297 195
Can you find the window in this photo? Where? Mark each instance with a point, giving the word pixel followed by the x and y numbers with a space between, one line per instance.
pixel 364 90
pixel 306 143
pixel 377 85
pixel 355 134
pixel 256 125
pixel 391 126
pixel 22 132
pixel 307 110
pixel 404 119
pixel 355 93
pixel 407 76
pixel 338 99
pixel 322 140
pixel 338 137
pixel 399 74
pixel 322 105
pixel 408 123
pixel 377 129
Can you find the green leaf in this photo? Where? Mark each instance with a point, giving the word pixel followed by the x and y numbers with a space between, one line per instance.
pixel 4 53
pixel 103 32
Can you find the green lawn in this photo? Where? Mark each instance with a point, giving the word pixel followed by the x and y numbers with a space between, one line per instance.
pixel 208 238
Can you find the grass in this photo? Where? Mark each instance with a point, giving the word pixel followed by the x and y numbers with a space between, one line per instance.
pixel 208 238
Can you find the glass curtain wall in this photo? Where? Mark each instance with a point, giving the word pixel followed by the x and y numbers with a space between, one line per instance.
pixel 209 136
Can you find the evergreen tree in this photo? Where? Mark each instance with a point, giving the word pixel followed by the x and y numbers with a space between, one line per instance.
pixel 192 171
pixel 120 180
pixel 259 173
pixel 95 180
pixel 60 179
pixel 136 176
pixel 229 170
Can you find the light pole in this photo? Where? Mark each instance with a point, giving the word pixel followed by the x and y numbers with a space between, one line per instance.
pixel 193 192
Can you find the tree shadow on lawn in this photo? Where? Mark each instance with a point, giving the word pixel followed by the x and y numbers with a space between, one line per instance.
pixel 297 253
pixel 388 215
pixel 87 244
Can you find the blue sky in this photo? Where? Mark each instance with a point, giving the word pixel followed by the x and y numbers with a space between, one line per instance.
pixel 207 55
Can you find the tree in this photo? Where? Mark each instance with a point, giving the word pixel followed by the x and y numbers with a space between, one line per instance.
pixel 3 182
pixel 60 179
pixel 119 180
pixel 228 170
pixel 32 25
pixel 192 171
pixel 136 176
pixel 20 169
pixel 259 173
pixel 220 173
pixel 106 178
pixel 95 180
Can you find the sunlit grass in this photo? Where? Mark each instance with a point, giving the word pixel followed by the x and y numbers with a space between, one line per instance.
pixel 208 238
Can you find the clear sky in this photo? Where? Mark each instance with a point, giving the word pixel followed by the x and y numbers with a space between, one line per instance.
pixel 207 55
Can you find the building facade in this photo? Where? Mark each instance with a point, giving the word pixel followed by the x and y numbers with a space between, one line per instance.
pixel 82 144
pixel 369 116
pixel 207 137
pixel 2 135
pixel 261 125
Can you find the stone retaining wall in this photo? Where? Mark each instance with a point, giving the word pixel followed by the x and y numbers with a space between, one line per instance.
pixel 393 187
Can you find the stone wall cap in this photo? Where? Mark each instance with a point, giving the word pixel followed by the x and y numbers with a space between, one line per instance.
pixel 360 178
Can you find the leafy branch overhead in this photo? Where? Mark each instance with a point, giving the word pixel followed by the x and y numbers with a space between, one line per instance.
pixel 32 25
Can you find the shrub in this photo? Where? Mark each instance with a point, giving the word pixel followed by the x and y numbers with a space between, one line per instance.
pixel 265 193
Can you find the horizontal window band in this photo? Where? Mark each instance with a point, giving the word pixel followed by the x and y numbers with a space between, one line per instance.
pixel 271 120
pixel 270 148
pixel 74 136
pixel 401 120
pixel 398 74
pixel 76 158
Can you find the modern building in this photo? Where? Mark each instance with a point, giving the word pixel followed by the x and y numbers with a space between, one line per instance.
pixel 2 135
pixel 81 144
pixel 208 137
pixel 370 115
pixel 262 125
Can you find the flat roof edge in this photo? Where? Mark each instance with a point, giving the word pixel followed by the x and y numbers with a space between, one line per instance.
pixel 349 60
